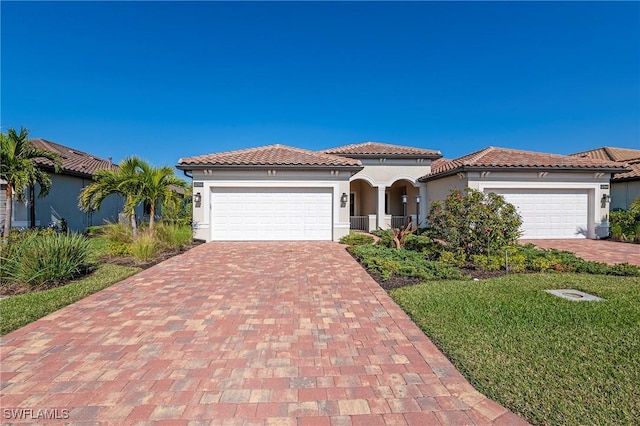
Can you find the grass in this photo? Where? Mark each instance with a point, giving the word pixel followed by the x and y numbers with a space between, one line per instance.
pixel 550 360
pixel 18 311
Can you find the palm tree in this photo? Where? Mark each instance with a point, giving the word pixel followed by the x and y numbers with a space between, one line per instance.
pixel 135 180
pixel 122 180
pixel 154 186
pixel 19 170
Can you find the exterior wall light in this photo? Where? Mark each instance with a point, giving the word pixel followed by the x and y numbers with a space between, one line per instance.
pixel 344 198
pixel 606 198
pixel 197 198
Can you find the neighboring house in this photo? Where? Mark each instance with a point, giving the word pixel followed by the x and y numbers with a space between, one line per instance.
pixel 625 186
pixel 77 172
pixel 284 193
pixel 557 196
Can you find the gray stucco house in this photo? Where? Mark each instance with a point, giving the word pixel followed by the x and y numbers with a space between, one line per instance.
pixel 78 169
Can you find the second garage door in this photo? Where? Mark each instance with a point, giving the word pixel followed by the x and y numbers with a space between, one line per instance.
pixel 549 213
pixel 270 214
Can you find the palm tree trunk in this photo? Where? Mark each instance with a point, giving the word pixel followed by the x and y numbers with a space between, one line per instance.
pixel 134 224
pixel 152 214
pixel 7 211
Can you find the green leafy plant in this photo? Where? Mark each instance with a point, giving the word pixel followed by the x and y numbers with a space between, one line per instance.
pixel 18 169
pixel 385 237
pixel 400 235
pixel 387 262
pixel 425 245
pixel 475 222
pixel 145 247
pixel 356 239
pixel 625 224
pixel 174 236
pixel 45 258
pixel 458 258
pixel 118 233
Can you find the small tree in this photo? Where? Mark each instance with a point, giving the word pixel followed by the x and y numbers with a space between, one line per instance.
pixel 19 170
pixel 122 180
pixel 475 222
pixel 154 185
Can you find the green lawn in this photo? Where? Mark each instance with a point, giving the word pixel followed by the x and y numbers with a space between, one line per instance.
pixel 18 311
pixel 550 360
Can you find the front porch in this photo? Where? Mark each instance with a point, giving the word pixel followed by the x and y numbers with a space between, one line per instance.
pixel 394 206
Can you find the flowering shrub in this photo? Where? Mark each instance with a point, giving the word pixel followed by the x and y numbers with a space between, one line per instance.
pixel 474 222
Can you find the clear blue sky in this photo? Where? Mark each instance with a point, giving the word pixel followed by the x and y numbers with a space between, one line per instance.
pixel 165 80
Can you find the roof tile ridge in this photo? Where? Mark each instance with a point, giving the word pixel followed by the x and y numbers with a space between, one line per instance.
pixel 469 159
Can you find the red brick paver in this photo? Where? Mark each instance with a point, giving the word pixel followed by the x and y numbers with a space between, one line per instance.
pixel 239 333
pixel 607 251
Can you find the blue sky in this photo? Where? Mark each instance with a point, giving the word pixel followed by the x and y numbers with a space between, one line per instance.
pixel 165 80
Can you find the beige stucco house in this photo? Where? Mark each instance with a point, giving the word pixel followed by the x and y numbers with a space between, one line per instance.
pixel 557 196
pixel 625 186
pixel 284 193
pixel 77 172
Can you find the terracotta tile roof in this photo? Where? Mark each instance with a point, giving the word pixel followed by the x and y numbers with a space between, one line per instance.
pixel 510 159
pixel 378 149
pixel 632 174
pixel 610 153
pixel 272 156
pixel 630 158
pixel 74 162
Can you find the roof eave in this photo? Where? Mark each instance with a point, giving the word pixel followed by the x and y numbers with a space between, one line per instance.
pixel 66 172
pixel 189 167
pixel 523 169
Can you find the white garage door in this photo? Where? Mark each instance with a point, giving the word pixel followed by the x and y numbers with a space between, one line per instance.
pixel 267 214
pixel 549 213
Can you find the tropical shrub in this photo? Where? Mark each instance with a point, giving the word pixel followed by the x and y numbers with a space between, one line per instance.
pixel 474 222
pixel 425 245
pixel 458 258
pixel 356 239
pixel 401 234
pixel 40 258
pixel 385 237
pixel 531 258
pixel 625 225
pixel 387 262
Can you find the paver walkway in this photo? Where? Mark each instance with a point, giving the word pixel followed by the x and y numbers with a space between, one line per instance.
pixel 240 334
pixel 607 251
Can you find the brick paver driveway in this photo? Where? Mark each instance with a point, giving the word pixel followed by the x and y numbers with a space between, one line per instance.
pixel 611 252
pixel 243 334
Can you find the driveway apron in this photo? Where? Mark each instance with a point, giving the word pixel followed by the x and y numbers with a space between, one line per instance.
pixel 607 251
pixel 273 333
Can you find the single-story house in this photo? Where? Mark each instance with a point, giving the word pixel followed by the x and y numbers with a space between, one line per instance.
pixel 279 192
pixel 557 196
pixel 76 172
pixel 625 186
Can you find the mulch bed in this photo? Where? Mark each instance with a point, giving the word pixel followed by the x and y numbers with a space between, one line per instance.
pixel 132 261
pixel 397 281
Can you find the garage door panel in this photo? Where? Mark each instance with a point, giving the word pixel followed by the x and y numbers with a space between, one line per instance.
pixel 548 213
pixel 271 214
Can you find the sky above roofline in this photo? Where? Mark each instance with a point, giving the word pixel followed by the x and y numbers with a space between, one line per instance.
pixel 164 80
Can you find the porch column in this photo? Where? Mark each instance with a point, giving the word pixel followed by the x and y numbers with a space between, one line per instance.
pixel 424 207
pixel 381 196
